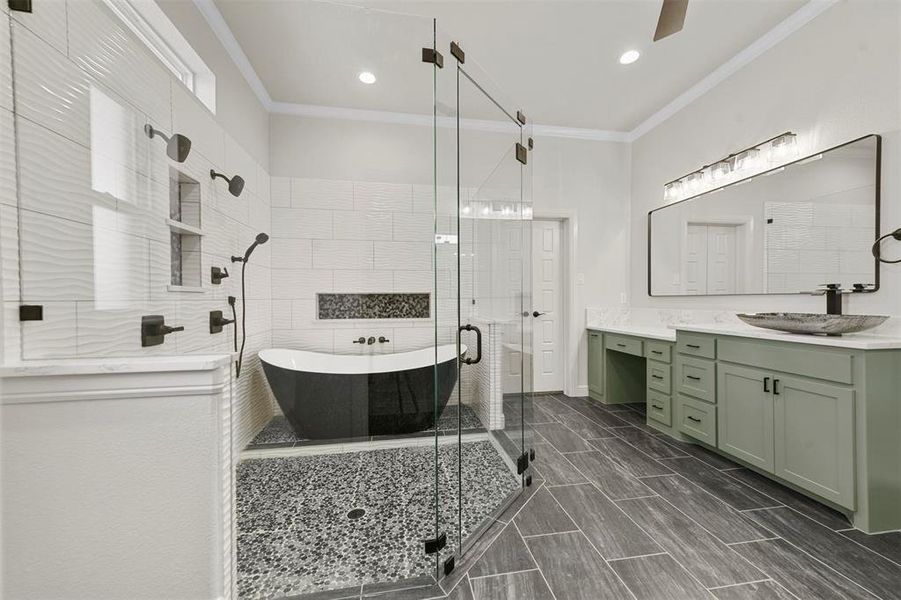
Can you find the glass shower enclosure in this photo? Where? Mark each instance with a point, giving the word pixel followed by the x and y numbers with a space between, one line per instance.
pixel 419 185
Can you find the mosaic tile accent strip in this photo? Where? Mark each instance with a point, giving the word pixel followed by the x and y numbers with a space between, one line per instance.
pixel 278 433
pixel 297 534
pixel 374 306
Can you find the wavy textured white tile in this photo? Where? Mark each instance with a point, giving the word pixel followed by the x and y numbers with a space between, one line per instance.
pixel 362 281
pixel 280 191
pixel 101 44
pixel 414 281
pixel 322 193
pixel 57 258
pixel 9 253
pixel 191 118
pixel 300 283
pixel 291 253
pixel 403 255
pixel 343 254
pixel 7 159
pixel 302 223
pixel 48 23
pixel 6 80
pixel 416 227
pixel 117 332
pixel 52 337
pixel 395 197
pixel 360 225
pixel 320 340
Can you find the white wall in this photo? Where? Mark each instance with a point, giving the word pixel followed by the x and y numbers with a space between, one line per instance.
pixel 585 180
pixel 834 80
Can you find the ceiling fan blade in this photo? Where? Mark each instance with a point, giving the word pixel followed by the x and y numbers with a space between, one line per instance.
pixel 672 18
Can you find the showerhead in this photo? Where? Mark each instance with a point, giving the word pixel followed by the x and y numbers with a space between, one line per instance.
pixel 261 238
pixel 177 147
pixel 235 184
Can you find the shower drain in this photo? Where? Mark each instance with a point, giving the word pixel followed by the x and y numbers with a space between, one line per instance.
pixel 356 513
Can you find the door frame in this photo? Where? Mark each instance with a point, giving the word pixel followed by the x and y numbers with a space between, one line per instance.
pixel 571 339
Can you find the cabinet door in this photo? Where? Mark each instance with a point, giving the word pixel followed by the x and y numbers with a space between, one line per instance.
pixel 595 364
pixel 745 418
pixel 815 437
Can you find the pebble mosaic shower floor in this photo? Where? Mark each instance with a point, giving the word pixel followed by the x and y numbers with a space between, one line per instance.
pixel 295 535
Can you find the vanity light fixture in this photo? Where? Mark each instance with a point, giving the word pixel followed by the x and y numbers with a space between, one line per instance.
pixel 629 56
pixel 366 77
pixel 780 149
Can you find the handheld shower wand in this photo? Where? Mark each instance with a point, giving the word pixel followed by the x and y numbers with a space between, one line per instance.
pixel 261 238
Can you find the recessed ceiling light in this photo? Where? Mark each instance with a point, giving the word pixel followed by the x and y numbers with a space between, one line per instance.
pixel 367 77
pixel 629 57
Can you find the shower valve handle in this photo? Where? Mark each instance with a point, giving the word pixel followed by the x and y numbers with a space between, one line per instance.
pixel 383 340
pixel 361 340
pixel 370 341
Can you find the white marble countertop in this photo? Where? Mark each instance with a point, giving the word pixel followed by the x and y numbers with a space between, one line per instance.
pixel 140 364
pixel 664 334
pixel 854 341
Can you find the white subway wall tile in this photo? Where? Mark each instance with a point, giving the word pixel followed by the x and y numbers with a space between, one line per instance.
pixel 395 197
pixel 403 255
pixel 351 225
pixel 414 227
pixel 281 191
pixel 288 284
pixel 291 253
pixel 301 223
pixel 360 281
pixel 317 340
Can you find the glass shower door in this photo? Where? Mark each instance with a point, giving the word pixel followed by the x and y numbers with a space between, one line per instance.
pixel 493 272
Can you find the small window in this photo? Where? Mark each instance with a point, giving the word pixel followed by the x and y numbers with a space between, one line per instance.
pixel 151 25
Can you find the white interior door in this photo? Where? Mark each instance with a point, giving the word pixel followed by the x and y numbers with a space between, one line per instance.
pixel 694 262
pixel 547 299
pixel 721 262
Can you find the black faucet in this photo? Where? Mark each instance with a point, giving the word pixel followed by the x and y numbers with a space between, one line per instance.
pixel 833 293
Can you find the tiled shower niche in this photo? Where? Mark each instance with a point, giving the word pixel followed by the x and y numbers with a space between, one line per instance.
pixel 184 232
pixel 374 306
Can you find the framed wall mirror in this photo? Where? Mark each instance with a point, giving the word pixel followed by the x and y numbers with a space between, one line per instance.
pixel 787 230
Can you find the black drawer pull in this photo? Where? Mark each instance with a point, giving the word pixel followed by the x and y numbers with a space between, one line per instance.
pixel 657 406
pixel 657 376
pixel 693 377
pixel 694 419
pixel 695 346
pixel 766 384
pixel 656 352
pixel 621 345
pixel 776 387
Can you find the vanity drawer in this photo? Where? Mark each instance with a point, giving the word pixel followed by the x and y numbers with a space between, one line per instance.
pixel 696 377
pixel 697 419
pixel 659 377
pixel 696 345
pixel 831 364
pixel 660 408
pixel 659 351
pixel 624 344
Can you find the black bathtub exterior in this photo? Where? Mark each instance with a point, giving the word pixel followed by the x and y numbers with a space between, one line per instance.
pixel 334 406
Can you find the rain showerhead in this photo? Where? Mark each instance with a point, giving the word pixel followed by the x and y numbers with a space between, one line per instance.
pixel 235 184
pixel 261 238
pixel 177 146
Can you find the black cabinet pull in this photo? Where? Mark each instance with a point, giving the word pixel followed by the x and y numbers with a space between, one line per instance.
pixel 657 406
pixel 693 377
pixel 694 419
pixel 656 352
pixel 766 384
pixel 657 376
pixel 776 388
pixel 621 345
pixel 695 346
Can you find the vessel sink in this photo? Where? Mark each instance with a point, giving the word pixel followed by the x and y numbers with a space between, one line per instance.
pixel 813 323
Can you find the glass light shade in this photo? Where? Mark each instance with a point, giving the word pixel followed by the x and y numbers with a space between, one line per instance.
pixel 749 160
pixel 695 182
pixel 672 191
pixel 784 147
pixel 721 170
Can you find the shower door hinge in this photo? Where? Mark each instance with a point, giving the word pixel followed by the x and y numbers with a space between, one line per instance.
pixel 31 312
pixel 520 117
pixel 522 463
pixel 19 5
pixel 531 144
pixel 521 153
pixel 457 52
pixel 434 545
pixel 430 55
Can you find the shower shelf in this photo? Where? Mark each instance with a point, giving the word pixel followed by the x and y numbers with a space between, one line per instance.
pixel 185 288
pixel 180 227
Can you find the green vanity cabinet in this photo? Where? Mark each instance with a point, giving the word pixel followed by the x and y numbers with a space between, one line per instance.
pixel 745 418
pixel 595 364
pixel 814 437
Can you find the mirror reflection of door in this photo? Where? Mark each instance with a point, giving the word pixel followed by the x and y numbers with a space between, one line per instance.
pixel 710 262
pixel 547 299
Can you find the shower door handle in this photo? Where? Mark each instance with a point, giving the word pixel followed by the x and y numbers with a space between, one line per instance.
pixel 478 358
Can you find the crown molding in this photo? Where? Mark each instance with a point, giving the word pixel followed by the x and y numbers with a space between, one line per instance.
pixel 223 32
pixel 792 23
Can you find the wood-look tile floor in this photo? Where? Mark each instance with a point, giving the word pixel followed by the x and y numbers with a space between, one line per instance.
pixel 620 511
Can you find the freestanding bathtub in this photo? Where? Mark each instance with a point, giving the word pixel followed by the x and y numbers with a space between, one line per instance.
pixel 330 396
